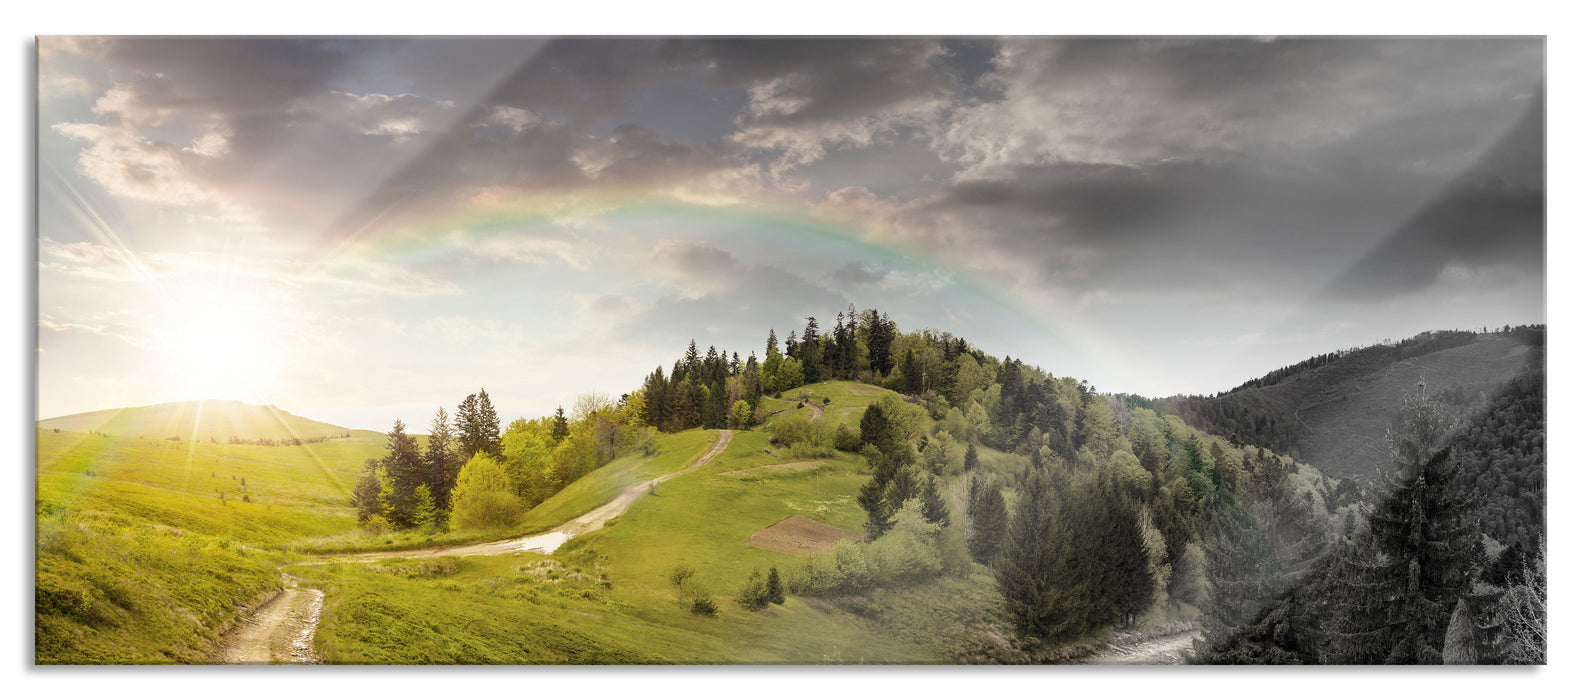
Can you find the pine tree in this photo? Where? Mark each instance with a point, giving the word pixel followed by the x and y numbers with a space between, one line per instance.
pixel 488 426
pixel 971 462
pixel 365 495
pixel 812 357
pixel 934 508
pixel 467 427
pixel 440 462
pixel 1399 590
pixel 775 589
pixel 404 467
pixel 559 428
pixel 987 510
pixel 911 374
pixel 1029 570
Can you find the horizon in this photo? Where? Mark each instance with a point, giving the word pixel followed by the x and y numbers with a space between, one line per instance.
pixel 405 415
pixel 349 226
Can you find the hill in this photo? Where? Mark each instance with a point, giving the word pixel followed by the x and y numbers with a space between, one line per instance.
pixel 197 421
pixel 1332 411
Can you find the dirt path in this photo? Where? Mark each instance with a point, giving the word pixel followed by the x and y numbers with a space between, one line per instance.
pixel 818 411
pixel 548 541
pixel 1165 650
pixel 279 631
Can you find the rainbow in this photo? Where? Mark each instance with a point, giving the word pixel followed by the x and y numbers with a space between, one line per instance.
pixel 768 221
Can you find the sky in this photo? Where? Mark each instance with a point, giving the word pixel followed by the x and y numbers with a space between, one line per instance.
pixel 358 230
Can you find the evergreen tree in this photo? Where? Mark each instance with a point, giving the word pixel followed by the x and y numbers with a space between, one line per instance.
pixel 559 427
pixel 1029 569
pixel 488 426
pixel 971 462
pixel 812 358
pixel 774 588
pixel 403 466
pixel 934 508
pixel 656 391
pixel 468 427
pixel 1398 591
pixel 693 363
pixel 440 462
pixel 911 374
pixel 365 495
pixel 986 508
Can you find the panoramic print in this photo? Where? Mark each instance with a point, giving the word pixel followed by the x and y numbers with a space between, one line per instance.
pixel 807 351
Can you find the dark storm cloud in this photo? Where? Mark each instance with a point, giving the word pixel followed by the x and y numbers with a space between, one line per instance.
pixel 581 79
pixel 1493 216
pixel 823 79
pixel 1158 164
pixel 226 74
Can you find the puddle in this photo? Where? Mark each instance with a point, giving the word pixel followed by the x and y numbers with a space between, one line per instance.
pixel 546 543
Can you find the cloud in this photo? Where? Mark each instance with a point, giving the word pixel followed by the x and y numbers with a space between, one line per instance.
pixel 373 114
pixel 808 96
pixel 723 296
pixel 344 275
pixel 1128 101
pixel 128 165
pixel 525 248
pixel 855 274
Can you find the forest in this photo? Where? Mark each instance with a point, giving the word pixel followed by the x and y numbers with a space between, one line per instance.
pixel 1096 511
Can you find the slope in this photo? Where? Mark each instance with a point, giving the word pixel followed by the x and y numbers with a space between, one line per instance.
pixel 197 421
pixel 1333 414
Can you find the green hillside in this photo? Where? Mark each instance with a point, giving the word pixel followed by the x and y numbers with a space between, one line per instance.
pixel 197 421
pixel 146 550
pixel 614 582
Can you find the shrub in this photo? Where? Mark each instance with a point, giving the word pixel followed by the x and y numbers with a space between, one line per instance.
pixel 704 605
pixel 484 498
pixel 847 438
pixel 754 595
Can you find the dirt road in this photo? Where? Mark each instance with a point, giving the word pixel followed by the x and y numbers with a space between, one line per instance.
pixel 1164 650
pixel 279 631
pixel 548 541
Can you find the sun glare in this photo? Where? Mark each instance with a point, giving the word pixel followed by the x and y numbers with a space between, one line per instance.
pixel 217 341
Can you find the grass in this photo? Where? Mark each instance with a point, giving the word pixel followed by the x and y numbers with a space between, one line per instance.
pixel 608 481
pixel 196 421
pixel 139 561
pixel 111 590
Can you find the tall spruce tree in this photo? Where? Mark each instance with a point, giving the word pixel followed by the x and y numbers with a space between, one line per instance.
pixel 403 466
pixel 1029 570
pixel 440 463
pixel 488 426
pixel 467 427
pixel 986 508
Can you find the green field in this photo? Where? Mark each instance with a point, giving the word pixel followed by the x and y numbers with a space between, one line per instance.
pixel 141 561
pixel 196 421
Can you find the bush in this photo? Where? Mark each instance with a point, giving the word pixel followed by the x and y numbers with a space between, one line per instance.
pixel 484 498
pixel 847 438
pixel 704 605
pixel 754 595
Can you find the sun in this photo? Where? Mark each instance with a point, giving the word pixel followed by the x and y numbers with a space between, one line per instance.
pixel 218 339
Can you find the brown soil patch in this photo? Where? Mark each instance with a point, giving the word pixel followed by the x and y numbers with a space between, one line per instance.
pixel 798 535
pixel 767 469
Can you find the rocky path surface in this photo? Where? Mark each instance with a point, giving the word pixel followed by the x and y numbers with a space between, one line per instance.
pixel 279 631
pixel 1164 650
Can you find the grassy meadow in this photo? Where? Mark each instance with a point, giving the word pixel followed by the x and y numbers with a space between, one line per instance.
pixel 140 560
